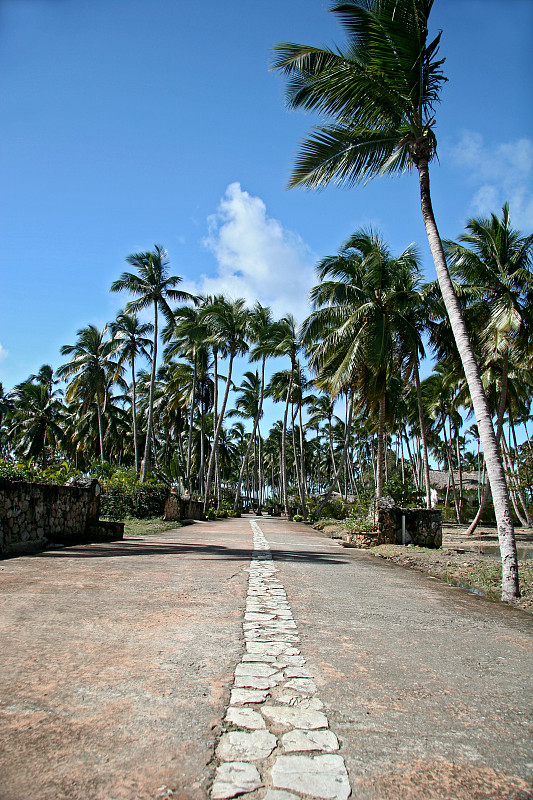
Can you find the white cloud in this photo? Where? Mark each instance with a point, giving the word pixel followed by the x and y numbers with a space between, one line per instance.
pixel 3 353
pixel 498 173
pixel 257 258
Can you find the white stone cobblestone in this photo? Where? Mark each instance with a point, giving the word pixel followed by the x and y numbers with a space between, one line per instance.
pixel 274 709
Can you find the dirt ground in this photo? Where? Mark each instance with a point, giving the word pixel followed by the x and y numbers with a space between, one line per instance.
pixel 472 562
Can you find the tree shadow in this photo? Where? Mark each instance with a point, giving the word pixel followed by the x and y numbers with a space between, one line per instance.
pixel 122 549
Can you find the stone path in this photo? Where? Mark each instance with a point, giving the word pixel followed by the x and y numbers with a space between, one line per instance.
pixel 276 732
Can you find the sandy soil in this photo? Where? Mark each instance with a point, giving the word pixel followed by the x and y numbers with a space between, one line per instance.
pixel 472 562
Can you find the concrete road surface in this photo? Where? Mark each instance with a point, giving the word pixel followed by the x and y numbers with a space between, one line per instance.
pixel 117 662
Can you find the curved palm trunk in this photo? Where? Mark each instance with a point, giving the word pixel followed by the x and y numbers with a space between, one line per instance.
pixel 342 458
pixel 249 447
pixel 451 479
pixel 134 416
pixel 215 413
pixel 216 435
pixel 148 445
pixel 499 428
pixel 423 435
pixel 284 448
pixel 100 431
pixel 189 444
pixel 297 462
pixel 380 455
pixel 261 472
pixel 500 494
pixel 303 476
pixel 520 490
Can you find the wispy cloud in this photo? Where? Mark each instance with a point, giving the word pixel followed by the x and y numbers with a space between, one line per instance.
pixel 498 173
pixel 257 258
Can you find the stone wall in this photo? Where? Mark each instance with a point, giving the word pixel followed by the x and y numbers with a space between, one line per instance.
pixel 177 508
pixel 423 527
pixel 34 514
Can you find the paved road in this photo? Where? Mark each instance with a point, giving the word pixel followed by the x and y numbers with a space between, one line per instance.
pixel 117 663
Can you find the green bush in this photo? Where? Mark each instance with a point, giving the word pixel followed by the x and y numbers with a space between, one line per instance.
pixel 211 513
pixel 120 500
pixel 333 509
pixel 297 518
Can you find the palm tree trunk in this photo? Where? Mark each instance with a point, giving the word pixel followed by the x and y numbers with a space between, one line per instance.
pixel 499 428
pixel 520 490
pixel 256 424
pixel 500 494
pixel 100 431
pixel 423 435
pixel 217 434
pixel 513 482
pixel 380 454
pixel 148 444
pixel 261 469
pixel 341 460
pixel 189 445
pixel 450 468
pixel 302 462
pixel 284 446
pixel 134 416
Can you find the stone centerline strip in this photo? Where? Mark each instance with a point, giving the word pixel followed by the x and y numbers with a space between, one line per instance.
pixel 277 743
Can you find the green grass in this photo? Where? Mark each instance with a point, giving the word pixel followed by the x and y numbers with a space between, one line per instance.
pixel 148 527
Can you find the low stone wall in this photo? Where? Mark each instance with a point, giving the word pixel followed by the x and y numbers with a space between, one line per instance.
pixel 34 514
pixel 176 508
pixel 423 527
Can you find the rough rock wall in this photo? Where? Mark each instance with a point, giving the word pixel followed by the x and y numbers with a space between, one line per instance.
pixel 31 514
pixel 177 508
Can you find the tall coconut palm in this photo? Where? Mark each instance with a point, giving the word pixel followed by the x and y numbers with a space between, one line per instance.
pixel 187 336
pixel 152 286
pixel 91 370
pixel 286 343
pixel 36 416
pixel 262 332
pixel 493 262
pixel 360 333
pixel 379 94
pixel 131 340
pixel 228 324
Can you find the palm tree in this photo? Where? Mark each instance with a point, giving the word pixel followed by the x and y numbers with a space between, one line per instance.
pixel 379 93
pixel 152 286
pixel 131 340
pixel 37 415
pixel 492 261
pixel 359 334
pixel 228 323
pixel 262 332
pixel 286 342
pixel 92 369
pixel 186 336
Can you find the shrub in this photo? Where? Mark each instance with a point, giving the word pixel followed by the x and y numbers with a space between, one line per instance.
pixel 333 509
pixel 297 518
pixel 142 500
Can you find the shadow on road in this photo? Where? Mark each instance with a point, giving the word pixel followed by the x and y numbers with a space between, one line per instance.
pixel 121 549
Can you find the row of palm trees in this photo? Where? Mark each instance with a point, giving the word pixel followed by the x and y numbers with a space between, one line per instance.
pixel 363 341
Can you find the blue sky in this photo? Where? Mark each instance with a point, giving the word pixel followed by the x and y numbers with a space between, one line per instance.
pixel 130 122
